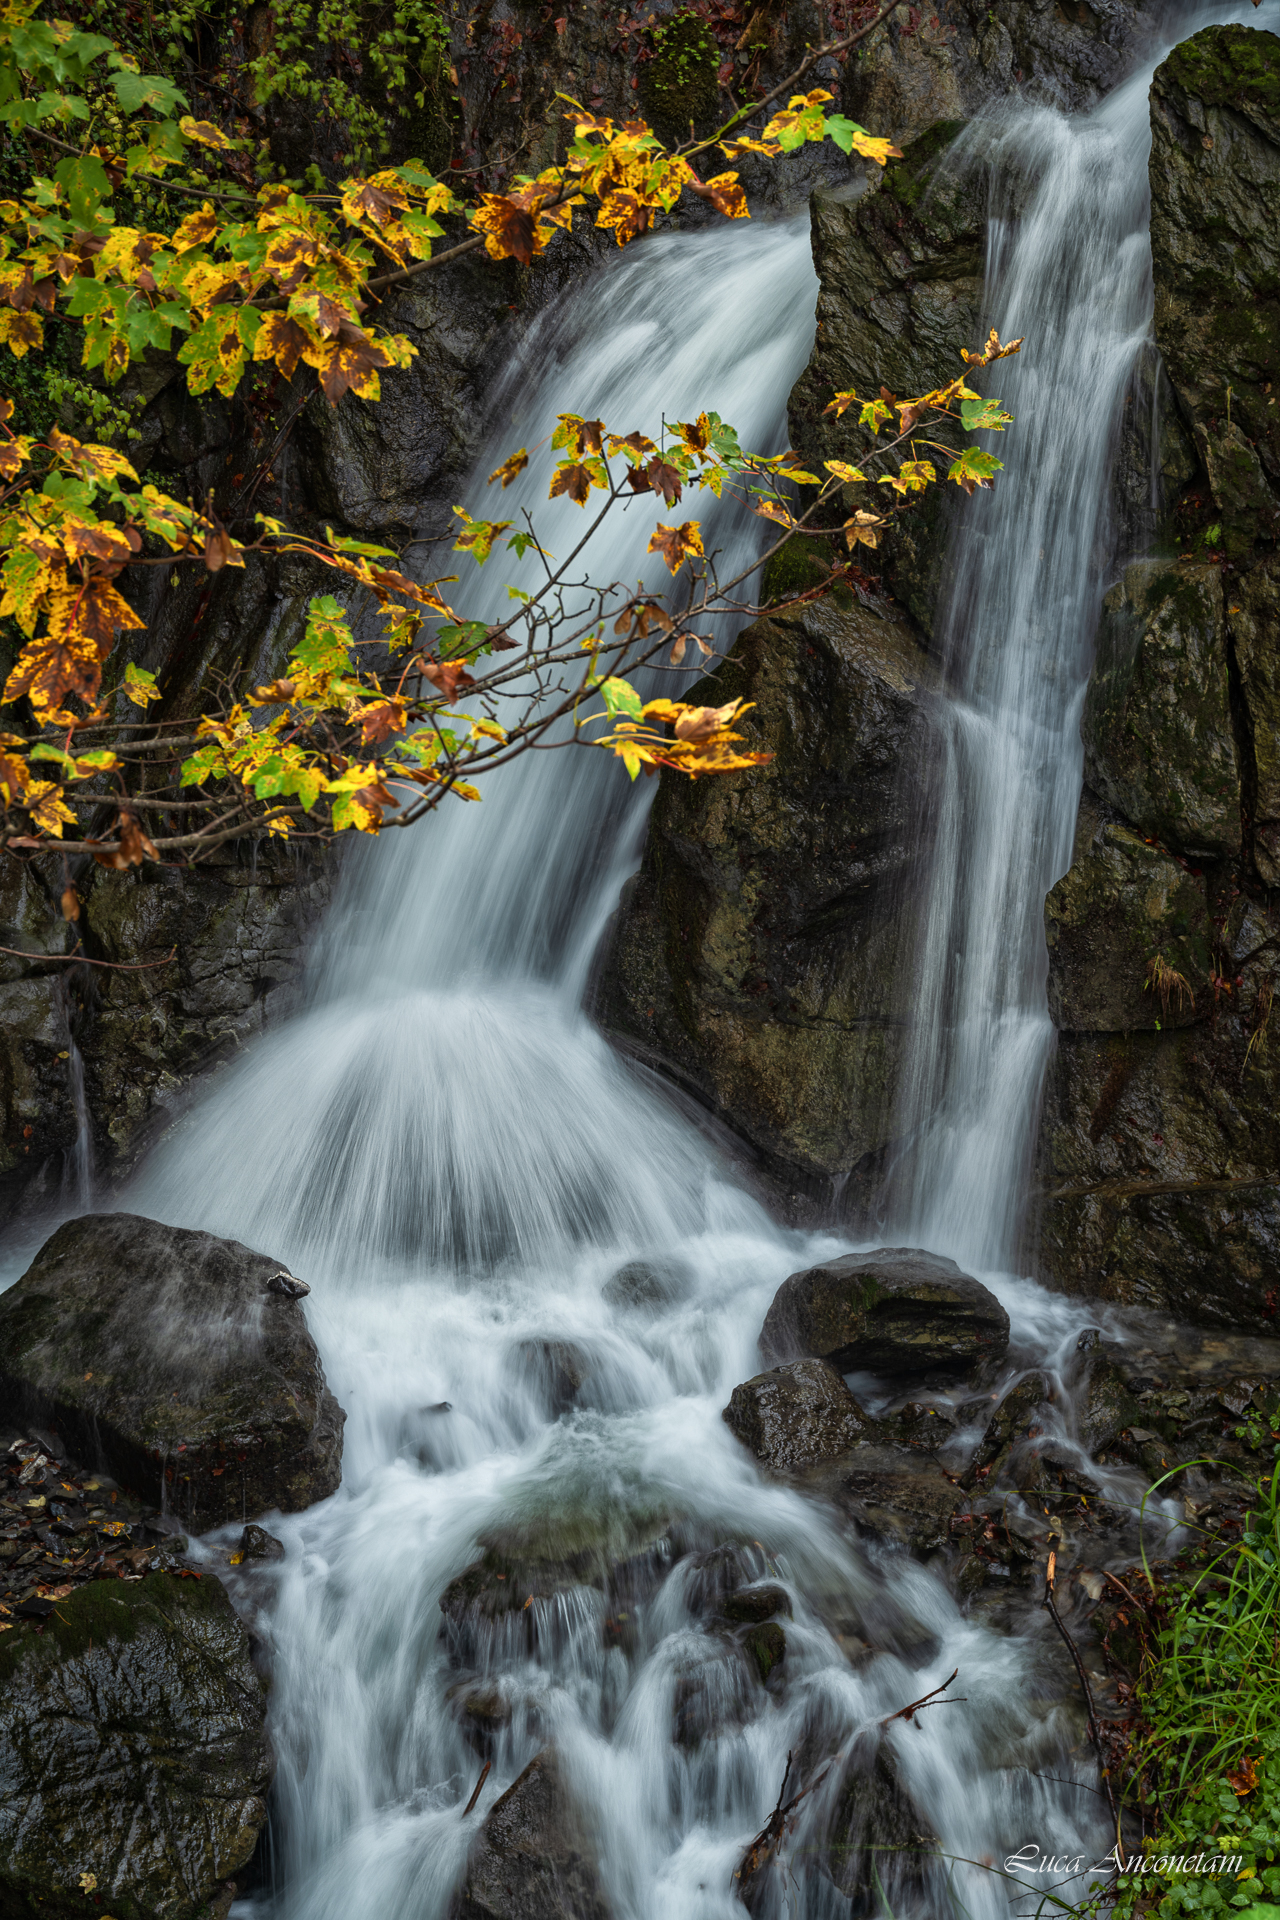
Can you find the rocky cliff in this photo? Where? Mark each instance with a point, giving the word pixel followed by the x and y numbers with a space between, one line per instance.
pixel 1159 1150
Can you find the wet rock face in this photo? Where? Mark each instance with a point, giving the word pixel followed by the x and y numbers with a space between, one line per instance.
pixel 880 1848
pixel 533 1859
pixel 1159 738
pixel 759 957
pixel 169 1354
pixel 797 1416
pixel 1122 904
pixel 1159 1142
pixel 133 1748
pixel 1215 185
pixel 901 277
pixel 898 1311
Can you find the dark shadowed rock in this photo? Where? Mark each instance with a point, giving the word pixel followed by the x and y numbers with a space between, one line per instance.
pixel 878 1835
pixel 760 956
pixel 797 1416
pixel 1108 1406
pixel 1012 1420
pixel 895 1311
pixel 132 1747
pixel 533 1859
pixel 166 1355
pixel 556 1369
pixel 754 1604
pixel 257 1544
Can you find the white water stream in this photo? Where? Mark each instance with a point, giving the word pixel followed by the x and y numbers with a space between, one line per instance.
pixel 455 1160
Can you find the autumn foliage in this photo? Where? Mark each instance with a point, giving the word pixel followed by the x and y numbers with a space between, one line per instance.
pixel 293 280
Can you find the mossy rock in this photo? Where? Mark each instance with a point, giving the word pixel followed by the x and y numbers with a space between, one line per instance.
pixel 766 1645
pixel 679 86
pixel 133 1749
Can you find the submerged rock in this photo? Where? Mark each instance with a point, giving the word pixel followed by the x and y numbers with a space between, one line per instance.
pixel 533 1859
pixel 881 1850
pixel 897 1311
pixel 167 1355
pixel 647 1285
pixel 797 1416
pixel 133 1749
pixel 557 1370
pixel 257 1544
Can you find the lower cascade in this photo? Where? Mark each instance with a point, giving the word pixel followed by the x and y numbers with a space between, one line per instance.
pixel 671 1570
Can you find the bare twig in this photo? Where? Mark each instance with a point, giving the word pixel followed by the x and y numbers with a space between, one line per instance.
pixel 83 960
pixel 1094 1733
pixel 484 1775
pixel 909 1713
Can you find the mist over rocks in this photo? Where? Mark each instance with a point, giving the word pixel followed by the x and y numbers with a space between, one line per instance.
pixel 168 1356
pixel 896 1312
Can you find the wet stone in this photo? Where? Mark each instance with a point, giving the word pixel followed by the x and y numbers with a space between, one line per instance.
pixel 533 1858
pixel 756 1604
pixel 557 1370
pixel 132 1746
pixel 898 1311
pixel 165 1354
pixel 766 1645
pixel 881 1850
pixel 797 1416
pixel 257 1544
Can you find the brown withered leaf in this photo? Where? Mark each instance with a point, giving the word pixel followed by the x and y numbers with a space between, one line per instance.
pixel 727 197
pixel 96 540
pixel 510 230
pixel 450 676
pixel 626 213
pixel 664 479
pixel 70 904
pixel 217 549
pixel 350 362
pixel 101 614
pixel 380 721
pixel 133 846
pixel 288 256
pixel 572 480
pixel 1245 1777
pixel 638 479
pixel 591 435
pixel 282 340
pixel 676 544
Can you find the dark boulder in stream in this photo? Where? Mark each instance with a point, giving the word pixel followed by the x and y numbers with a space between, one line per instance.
pixel 897 1311
pixel 134 1761
pixel 171 1357
pixel 797 1416
pixel 533 1859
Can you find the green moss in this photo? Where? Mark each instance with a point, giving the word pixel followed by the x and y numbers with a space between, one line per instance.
pixel 802 563
pixel 910 179
pixel 1229 67
pixel 680 84
pixel 106 1612
pixel 767 1645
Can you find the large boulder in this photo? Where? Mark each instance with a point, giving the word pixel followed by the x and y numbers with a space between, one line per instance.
pixel 134 1761
pixel 760 958
pixel 533 1859
pixel 179 1361
pixel 797 1416
pixel 897 1311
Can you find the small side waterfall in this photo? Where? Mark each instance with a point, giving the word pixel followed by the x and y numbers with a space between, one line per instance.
pixel 1073 275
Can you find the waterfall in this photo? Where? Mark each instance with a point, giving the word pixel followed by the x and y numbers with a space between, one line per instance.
pixel 453 1158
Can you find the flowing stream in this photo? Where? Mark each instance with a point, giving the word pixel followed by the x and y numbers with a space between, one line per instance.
pixel 452 1156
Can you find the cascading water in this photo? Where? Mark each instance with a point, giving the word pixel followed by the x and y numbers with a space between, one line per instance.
pixel 1074 274
pixel 458 1163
